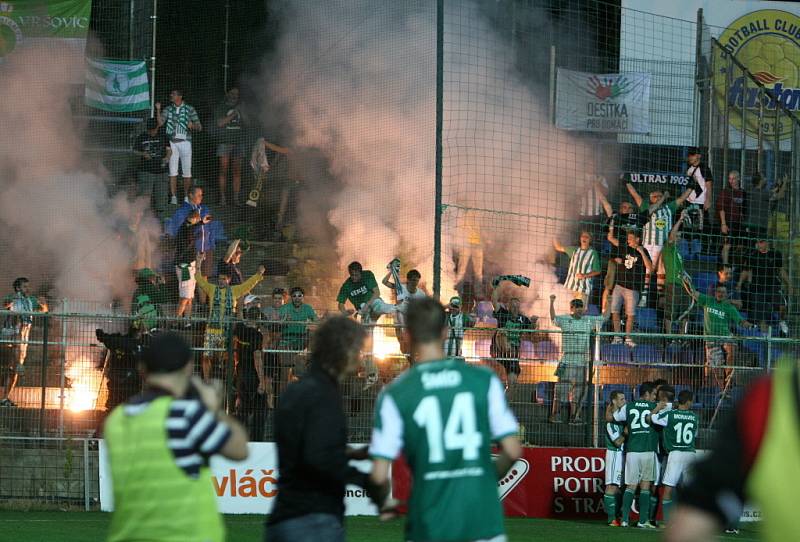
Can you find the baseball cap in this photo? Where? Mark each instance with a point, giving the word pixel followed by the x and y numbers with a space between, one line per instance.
pixel 455 301
pixel 146 273
pixel 166 353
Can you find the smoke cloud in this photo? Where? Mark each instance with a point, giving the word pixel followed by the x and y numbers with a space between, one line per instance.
pixel 58 225
pixel 357 85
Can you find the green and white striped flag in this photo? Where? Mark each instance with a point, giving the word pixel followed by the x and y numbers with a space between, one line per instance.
pixel 117 85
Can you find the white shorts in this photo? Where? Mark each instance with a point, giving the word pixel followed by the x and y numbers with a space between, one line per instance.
pixel 655 251
pixel 181 150
pixel 661 466
pixel 640 467
pixel 186 287
pixel 614 462
pixel 677 463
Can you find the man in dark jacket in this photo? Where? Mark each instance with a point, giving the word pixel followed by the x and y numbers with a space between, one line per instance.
pixel 311 434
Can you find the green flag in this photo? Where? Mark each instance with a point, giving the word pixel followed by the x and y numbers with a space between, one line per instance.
pixel 117 85
pixel 31 22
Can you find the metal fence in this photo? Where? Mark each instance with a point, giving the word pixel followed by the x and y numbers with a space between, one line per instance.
pixel 73 373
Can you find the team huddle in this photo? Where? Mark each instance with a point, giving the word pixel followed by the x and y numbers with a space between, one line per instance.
pixel 649 443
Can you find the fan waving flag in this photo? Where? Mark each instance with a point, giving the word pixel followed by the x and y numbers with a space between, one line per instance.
pixel 117 85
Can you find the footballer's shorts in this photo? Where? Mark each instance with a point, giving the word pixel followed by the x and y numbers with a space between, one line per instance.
pixel 677 463
pixel 640 467
pixel 614 462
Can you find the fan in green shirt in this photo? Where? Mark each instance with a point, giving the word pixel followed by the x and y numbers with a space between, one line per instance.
pixel 718 316
pixel 295 335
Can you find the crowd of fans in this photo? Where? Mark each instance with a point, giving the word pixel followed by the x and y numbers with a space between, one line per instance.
pixel 627 274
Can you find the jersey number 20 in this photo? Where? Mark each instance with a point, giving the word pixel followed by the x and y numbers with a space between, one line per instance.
pixel 460 431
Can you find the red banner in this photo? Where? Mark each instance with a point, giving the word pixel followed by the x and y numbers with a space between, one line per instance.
pixel 544 483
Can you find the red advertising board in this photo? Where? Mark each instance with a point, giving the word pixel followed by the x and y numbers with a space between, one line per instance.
pixel 544 483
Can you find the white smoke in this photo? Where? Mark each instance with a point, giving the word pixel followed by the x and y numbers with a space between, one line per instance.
pixel 58 225
pixel 358 83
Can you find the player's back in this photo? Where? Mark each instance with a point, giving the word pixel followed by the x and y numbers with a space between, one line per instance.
pixel 681 430
pixel 446 408
pixel 641 436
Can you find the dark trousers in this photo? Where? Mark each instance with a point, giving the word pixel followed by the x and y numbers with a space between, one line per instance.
pixel 316 527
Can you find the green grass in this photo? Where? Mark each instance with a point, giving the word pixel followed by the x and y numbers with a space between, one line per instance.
pixel 92 526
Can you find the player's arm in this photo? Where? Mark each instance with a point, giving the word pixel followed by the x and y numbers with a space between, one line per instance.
pixel 658 204
pixel 637 198
pixel 616 436
pixel 504 428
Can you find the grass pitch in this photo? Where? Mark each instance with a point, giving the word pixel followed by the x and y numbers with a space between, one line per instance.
pixel 92 526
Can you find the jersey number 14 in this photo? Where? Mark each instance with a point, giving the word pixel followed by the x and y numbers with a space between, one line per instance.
pixel 460 432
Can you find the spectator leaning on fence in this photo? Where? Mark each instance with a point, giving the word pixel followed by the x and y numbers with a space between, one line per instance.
pixel 296 315
pixel 159 444
pixel 253 390
pixel 222 302
pixel 147 299
pixel 152 148
pixel 765 273
pixel 576 352
pixel 718 317
pixel 18 329
pixel 457 323
pixel 181 120
pixel 633 262
pixel 230 145
pixel 584 265
pixel 512 327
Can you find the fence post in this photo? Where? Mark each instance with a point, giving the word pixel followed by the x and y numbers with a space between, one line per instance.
pixel 437 224
pixel 769 349
pixel 86 499
pixel 43 375
pixel 596 387
pixel 62 376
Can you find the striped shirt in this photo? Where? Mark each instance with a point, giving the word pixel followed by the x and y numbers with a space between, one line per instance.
pixel 656 231
pixel 177 119
pixel 581 261
pixel 590 201
pixel 576 346
pixel 193 433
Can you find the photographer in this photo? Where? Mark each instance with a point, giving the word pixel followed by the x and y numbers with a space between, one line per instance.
pixel 159 444
pixel 120 365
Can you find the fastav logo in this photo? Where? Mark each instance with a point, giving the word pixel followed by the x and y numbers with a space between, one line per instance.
pixel 607 87
pixel 767 42
pixel 513 477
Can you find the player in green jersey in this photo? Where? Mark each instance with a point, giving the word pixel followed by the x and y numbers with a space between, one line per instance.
pixel 640 446
pixel 614 459
pixel 443 415
pixel 680 430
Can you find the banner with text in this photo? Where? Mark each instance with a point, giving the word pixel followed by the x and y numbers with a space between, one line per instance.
pixel 609 102
pixel 548 483
pixel 28 22
pixel 246 487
